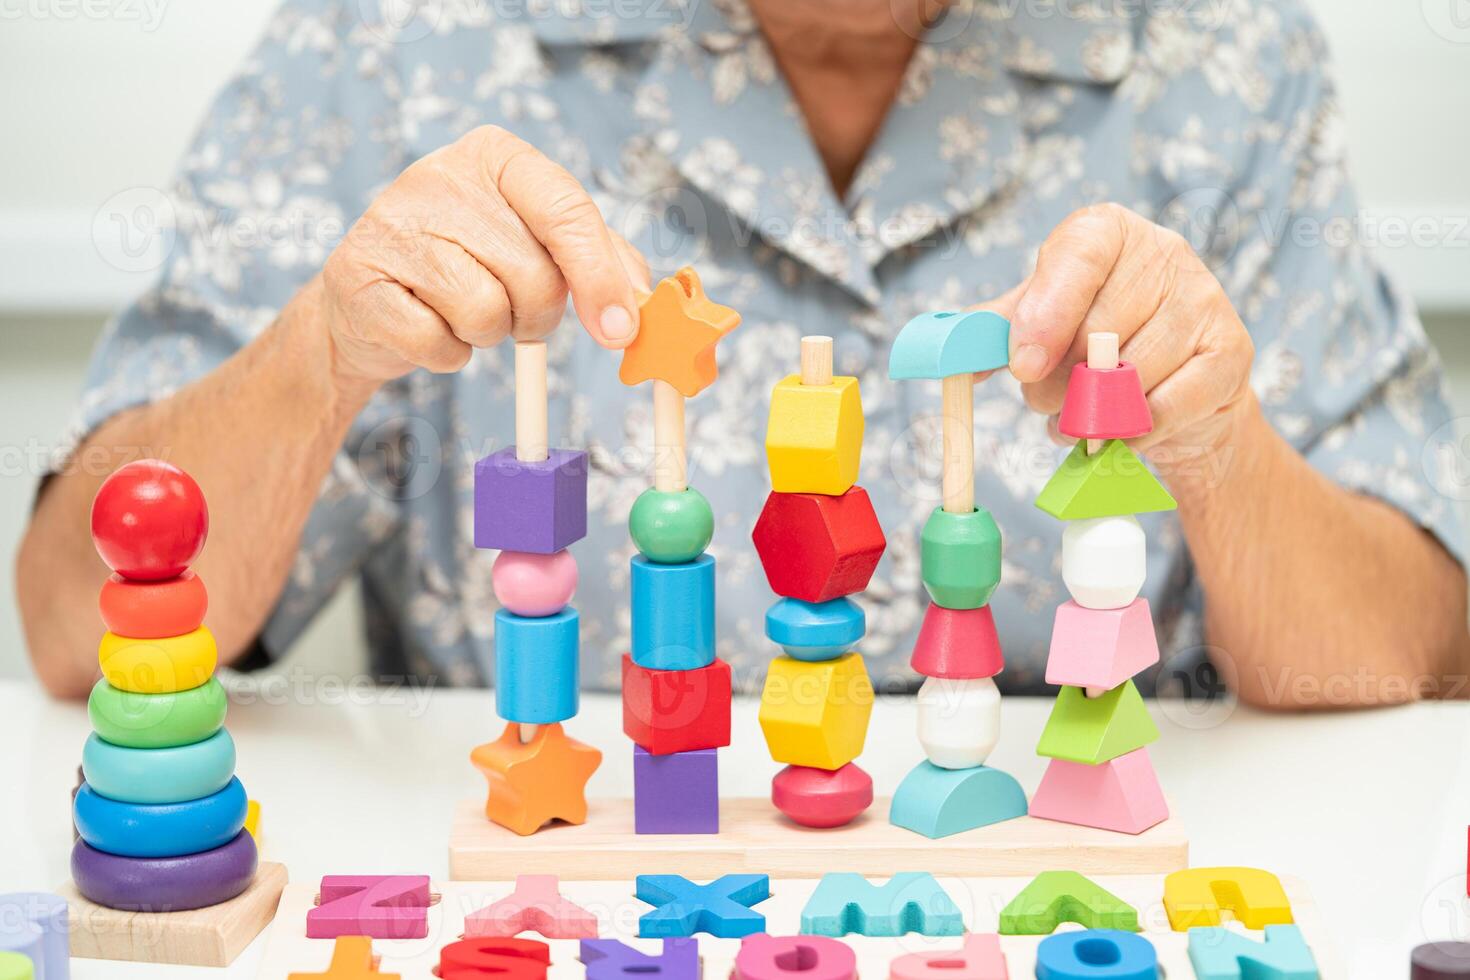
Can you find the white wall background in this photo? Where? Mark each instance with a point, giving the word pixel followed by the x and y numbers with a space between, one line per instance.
pixel 100 97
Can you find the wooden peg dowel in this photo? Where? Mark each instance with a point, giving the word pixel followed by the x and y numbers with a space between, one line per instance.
pixel 1102 354
pixel 532 443
pixel 958 426
pixel 527 732
pixel 816 360
pixel 669 473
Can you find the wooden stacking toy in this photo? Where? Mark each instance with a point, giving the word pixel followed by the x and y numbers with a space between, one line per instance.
pixel 160 816
pixel 531 503
pixel 819 542
pixel 676 692
pixel 958 650
pixel 1100 774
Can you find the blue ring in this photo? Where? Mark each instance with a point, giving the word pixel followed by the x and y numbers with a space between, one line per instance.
pixel 160 830
pixel 172 775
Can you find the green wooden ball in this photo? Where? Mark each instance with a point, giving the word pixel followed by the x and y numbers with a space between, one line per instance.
pixel 671 528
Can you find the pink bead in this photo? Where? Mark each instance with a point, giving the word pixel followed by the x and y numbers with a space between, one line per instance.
pixel 1121 795
pixel 1105 403
pixel 1101 647
pixel 957 643
pixel 818 798
pixel 534 585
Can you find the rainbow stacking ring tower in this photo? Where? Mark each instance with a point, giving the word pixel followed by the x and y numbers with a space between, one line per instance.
pixel 160 814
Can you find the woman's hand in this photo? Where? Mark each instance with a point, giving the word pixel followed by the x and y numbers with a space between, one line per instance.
pixel 480 240
pixel 1106 268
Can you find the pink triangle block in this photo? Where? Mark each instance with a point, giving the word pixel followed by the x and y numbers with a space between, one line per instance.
pixel 1121 795
pixel 957 643
pixel 378 906
pixel 1105 403
pixel 536 905
pixel 1101 647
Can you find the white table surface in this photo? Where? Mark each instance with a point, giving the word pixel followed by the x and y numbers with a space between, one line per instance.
pixel 1370 808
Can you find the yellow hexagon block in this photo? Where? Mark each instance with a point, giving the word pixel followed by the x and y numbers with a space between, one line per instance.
pixel 814 440
pixel 816 714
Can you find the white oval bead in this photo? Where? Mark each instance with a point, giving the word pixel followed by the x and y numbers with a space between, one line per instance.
pixel 959 721
pixel 1104 561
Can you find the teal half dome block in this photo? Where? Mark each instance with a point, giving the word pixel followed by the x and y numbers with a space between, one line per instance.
pixel 939 802
pixel 815 631
pixel 938 345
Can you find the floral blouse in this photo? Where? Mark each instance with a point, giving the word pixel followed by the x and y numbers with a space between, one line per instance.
pixel 1216 119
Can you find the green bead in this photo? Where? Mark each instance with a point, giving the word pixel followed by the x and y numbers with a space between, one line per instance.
pixel 157 721
pixel 960 558
pixel 671 528
pixel 15 966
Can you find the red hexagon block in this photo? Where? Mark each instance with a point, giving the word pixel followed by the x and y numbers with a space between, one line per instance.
pixel 818 798
pixel 815 547
pixel 668 711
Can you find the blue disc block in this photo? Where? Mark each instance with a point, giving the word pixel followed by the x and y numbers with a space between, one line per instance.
pixel 674 614
pixel 815 630
pixel 536 667
pixel 173 775
pixel 163 829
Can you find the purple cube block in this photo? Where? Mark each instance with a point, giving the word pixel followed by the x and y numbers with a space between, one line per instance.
pixel 536 507
pixel 677 793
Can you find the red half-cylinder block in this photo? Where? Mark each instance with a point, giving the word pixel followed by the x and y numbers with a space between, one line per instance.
pixel 815 548
pixel 957 643
pixel 668 711
pixel 1105 403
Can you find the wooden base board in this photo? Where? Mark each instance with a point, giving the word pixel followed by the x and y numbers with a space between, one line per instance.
pixel 755 837
pixel 211 936
pixel 980 899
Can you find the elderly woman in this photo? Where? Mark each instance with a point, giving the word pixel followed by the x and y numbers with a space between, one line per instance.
pixel 829 166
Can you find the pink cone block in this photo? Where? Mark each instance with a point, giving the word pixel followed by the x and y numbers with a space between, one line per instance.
pixel 980 958
pixel 957 643
pixel 536 905
pixel 380 906
pixel 1121 795
pixel 1101 647
pixel 1105 403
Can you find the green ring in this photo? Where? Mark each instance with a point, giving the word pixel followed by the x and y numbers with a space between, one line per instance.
pixel 671 528
pixel 959 558
pixel 157 721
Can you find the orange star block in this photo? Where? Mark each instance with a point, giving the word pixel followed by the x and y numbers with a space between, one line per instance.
pixel 352 959
pixel 535 782
pixel 678 328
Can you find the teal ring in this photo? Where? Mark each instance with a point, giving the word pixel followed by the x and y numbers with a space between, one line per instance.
pixel 172 775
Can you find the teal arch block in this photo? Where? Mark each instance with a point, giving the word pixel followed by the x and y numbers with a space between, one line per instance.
pixel 938 802
pixel 911 901
pixel 1219 954
pixel 937 345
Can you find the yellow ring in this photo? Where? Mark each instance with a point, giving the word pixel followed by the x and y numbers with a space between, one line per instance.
pixel 161 666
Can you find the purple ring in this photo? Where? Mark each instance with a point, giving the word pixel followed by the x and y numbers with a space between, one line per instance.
pixel 168 884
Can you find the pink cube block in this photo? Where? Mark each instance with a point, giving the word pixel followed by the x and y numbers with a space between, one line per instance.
pixel 1121 795
pixel 1101 647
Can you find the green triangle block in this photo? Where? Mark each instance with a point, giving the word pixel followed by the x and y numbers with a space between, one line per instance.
pixel 1110 482
pixel 1096 730
pixel 1054 897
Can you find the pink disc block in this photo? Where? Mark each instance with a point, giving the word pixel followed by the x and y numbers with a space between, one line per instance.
pixel 764 957
pixel 1121 795
pixel 1105 403
pixel 979 958
pixel 534 585
pixel 957 643
pixel 536 905
pixel 818 798
pixel 1101 647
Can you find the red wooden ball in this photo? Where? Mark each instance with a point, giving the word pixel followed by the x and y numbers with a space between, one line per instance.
pixel 149 520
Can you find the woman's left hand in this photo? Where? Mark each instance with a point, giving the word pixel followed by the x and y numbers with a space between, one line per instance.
pixel 1107 269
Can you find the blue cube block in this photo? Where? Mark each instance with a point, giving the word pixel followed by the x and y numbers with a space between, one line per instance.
pixel 673 614
pixel 536 507
pixel 536 667
pixel 815 630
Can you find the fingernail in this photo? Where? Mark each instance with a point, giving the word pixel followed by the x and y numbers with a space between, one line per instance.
pixel 1028 363
pixel 617 323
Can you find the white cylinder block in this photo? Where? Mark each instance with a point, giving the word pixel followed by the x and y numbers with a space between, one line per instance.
pixel 959 721
pixel 1104 561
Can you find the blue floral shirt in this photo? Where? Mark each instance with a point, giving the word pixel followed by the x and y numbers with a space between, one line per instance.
pixel 1217 119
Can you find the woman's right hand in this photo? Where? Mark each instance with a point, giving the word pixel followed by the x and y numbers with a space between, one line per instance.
pixel 480 240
